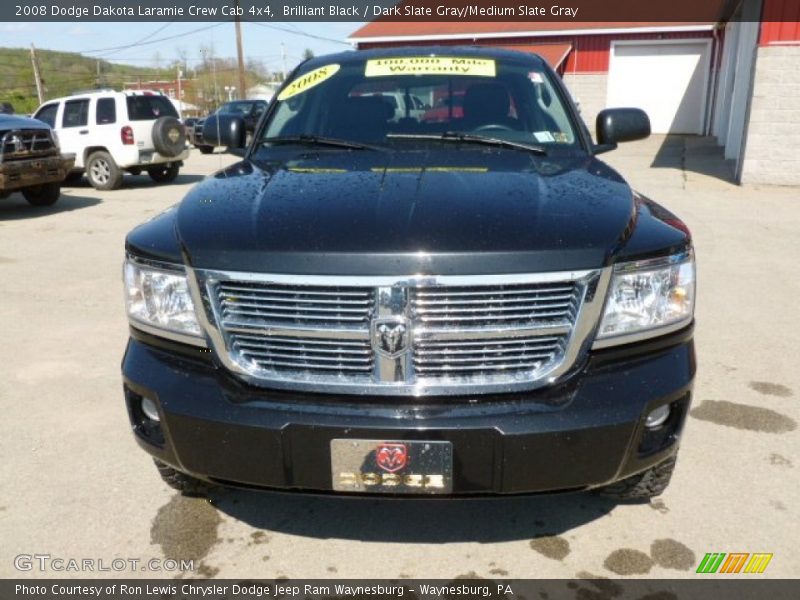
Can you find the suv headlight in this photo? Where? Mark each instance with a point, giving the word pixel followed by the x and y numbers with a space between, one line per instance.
pixel 159 302
pixel 648 298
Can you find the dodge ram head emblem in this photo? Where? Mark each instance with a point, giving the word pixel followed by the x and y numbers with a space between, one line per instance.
pixel 174 135
pixel 391 457
pixel 390 337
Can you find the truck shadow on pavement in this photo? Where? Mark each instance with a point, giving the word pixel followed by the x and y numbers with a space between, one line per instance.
pixel 137 181
pixel 15 207
pixel 430 521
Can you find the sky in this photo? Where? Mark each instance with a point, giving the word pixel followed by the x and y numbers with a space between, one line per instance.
pixel 147 43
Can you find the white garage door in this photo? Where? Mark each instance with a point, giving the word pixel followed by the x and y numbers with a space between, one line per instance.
pixel 668 80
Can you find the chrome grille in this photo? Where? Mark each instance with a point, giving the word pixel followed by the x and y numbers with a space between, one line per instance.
pixel 495 306
pixel 25 143
pixel 298 305
pixel 485 358
pixel 400 336
pixel 254 315
pixel 273 353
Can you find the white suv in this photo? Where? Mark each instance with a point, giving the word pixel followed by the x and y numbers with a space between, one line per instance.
pixel 113 132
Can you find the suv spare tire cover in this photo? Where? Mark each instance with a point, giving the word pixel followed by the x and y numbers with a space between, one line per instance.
pixel 169 137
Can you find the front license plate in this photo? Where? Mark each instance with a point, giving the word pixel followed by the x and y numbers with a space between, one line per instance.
pixel 392 467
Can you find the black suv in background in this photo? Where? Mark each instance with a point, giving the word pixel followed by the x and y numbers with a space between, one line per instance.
pixel 373 302
pixel 249 111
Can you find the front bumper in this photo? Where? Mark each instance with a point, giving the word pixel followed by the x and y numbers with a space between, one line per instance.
pixel 132 156
pixel 583 433
pixel 20 174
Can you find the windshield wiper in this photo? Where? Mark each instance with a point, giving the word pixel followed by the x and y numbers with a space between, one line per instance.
pixel 469 138
pixel 316 140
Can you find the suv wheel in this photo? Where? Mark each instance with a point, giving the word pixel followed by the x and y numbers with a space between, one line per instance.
pixel 102 172
pixel 164 173
pixel 642 486
pixel 45 194
pixel 185 484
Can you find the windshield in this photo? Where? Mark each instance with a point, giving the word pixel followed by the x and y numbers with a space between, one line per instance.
pixel 378 101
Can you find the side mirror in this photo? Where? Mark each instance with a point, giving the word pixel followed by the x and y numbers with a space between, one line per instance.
pixel 615 125
pixel 224 130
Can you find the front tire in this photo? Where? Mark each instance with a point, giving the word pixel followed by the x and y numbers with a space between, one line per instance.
pixel 164 173
pixel 185 484
pixel 642 486
pixel 45 194
pixel 102 172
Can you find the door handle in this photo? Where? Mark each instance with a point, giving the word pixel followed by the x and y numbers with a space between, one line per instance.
pixel 83 131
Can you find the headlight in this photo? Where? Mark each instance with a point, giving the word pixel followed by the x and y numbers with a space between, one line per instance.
pixel 647 299
pixel 159 302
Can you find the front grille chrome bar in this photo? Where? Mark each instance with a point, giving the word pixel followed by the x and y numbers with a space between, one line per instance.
pixel 412 336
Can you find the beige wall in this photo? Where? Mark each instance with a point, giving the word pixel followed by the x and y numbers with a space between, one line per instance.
pixel 590 89
pixel 772 151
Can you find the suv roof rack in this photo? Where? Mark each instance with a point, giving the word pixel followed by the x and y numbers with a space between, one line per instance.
pixel 93 91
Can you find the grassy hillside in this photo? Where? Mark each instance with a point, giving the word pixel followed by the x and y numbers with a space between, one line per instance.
pixel 63 73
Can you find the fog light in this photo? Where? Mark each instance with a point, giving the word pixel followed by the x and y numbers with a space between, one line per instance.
pixel 658 417
pixel 150 411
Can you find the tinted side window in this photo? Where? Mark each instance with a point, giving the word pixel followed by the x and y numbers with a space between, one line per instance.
pixel 76 113
pixel 106 111
pixel 47 114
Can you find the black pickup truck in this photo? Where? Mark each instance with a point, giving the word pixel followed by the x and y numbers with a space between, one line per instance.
pixel 30 160
pixel 249 111
pixel 372 302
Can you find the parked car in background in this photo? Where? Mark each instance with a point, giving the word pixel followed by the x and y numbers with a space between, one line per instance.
pixel 111 133
pixel 248 110
pixel 30 160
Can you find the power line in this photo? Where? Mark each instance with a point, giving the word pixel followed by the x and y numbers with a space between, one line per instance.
pixel 156 41
pixel 144 39
pixel 300 33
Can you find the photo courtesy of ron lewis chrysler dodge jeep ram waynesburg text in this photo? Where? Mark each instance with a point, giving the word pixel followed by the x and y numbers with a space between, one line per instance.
pixel 369 302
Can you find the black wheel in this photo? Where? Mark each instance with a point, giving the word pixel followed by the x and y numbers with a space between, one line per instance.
pixel 205 149
pixel 642 486
pixel 42 195
pixel 102 172
pixel 164 173
pixel 169 136
pixel 185 484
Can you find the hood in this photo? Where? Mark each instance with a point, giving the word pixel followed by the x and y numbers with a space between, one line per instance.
pixel 9 122
pixel 466 211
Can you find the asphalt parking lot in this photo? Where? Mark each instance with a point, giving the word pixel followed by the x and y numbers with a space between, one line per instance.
pixel 75 485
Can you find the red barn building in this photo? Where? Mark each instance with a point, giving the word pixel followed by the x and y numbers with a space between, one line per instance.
pixel 736 80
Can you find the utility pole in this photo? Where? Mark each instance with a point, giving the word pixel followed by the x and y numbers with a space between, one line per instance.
pixel 283 60
pixel 180 95
pixel 37 75
pixel 239 53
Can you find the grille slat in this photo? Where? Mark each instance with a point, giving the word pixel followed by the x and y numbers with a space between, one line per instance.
pixel 493 334
pixel 488 357
pixel 321 322
pixel 490 307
